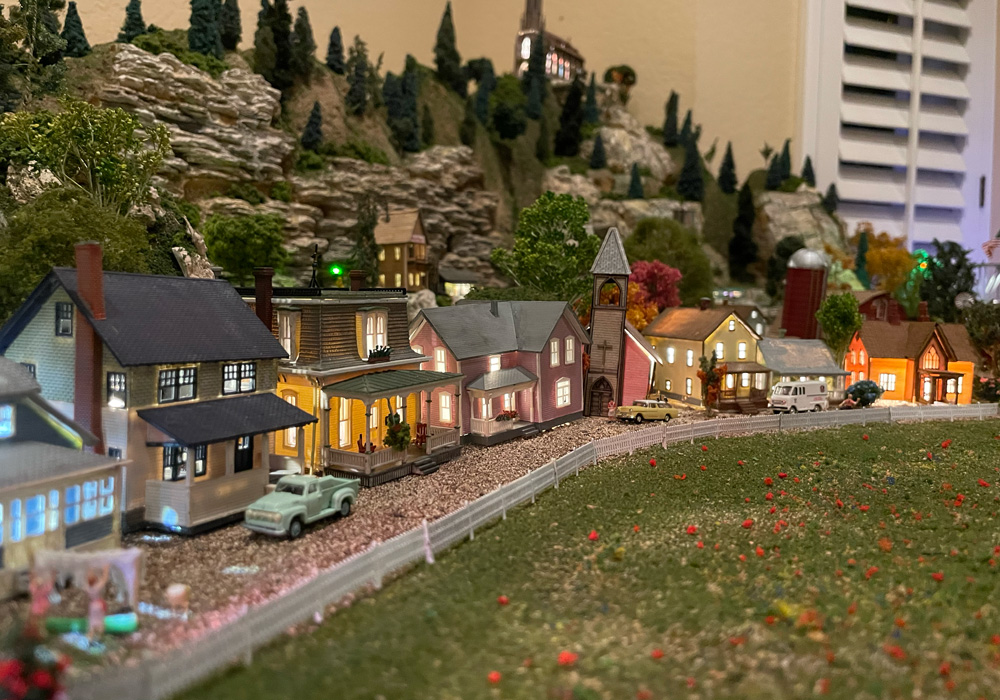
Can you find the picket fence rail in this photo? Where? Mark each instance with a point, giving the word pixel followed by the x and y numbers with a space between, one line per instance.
pixel 173 672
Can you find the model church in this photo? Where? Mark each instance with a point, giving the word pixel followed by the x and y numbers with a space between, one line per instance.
pixel 562 60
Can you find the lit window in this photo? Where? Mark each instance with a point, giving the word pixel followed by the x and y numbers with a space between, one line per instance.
pixel 440 364
pixel 753 314
pixel 16 521
pixel 291 434
pixel 177 384
pixel 485 408
pixel 554 352
pixel 931 359
pixel 399 279
pixel 887 382
pixel 821 379
pixel 53 518
pixel 526 47
pixel 381 279
pixel 116 390
pixel 397 252
pixel 72 505
pixel 670 355
pixel 688 386
pixel 760 329
pixel 108 489
pixel 444 407
pixel 508 402
pixel 287 326
pixel 409 278
pixel 400 407
pixel 494 363
pixel 89 500
pixel 64 319
pixel 374 326
pixel 730 381
pixel 381 254
pixel 960 383
pixel 239 378
pixel 720 351
pixel 344 422
pixel 927 389
pixel 732 325
pixel 562 393
pixel 243 459
pixel 854 357
pixel 174 463
pixel 745 379
pixel 951 386
pixel 741 351
pixel 6 421
pixel 36 515
pixel 570 345
pixel 861 376
pixel 690 358
pixel 373 417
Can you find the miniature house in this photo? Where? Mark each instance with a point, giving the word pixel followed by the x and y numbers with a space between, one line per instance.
pixel 522 363
pixel 872 304
pixel 175 375
pixel 53 495
pixel 562 60
pixel 640 364
pixel 795 359
pixel 455 283
pixel 350 365
pixel 402 252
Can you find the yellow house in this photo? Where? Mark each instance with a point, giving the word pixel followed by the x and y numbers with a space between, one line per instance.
pixel 682 336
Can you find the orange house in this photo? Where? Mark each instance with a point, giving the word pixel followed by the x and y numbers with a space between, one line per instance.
pixel 918 361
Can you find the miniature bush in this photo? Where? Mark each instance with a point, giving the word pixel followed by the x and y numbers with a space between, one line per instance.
pixel 791 184
pixel 591 112
pixel 247 192
pixel 362 150
pixel 507 108
pixel 312 134
pixel 397 434
pixel 986 390
pixel 158 41
pixel 241 243
pixel 282 191
pixel 335 52
pixel 443 300
pixel 635 190
pixel 77 45
pixel 866 392
pixel 309 161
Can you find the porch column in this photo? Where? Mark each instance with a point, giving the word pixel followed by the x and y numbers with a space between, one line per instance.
pixel 458 403
pixel 368 423
pixel 189 479
pixel 429 399
pixel 300 440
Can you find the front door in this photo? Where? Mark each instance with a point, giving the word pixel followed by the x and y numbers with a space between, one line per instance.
pixel 600 394
pixel 243 457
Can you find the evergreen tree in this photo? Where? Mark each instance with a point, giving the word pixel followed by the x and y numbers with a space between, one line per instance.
pixel 570 122
pixel 303 47
pixel 727 171
pixel 785 162
pixel 231 25
pixel 38 27
pixel 534 106
pixel 357 94
pixel 335 52
pixel 686 130
pixel 861 262
pixel 364 254
pixel 134 25
pixel 411 91
pixel 543 147
pixel 598 159
pixel 446 56
pixel 635 190
pixel 832 199
pixel 774 178
pixel 77 45
pixel 808 176
pixel 486 83
pixel 591 112
pixel 11 57
pixel 265 53
pixel 691 184
pixel 427 127
pixel 742 247
pixel 203 34
pixel 671 137
pixel 280 21
pixel 467 131
pixel 312 135
pixel 536 69
pixel 402 121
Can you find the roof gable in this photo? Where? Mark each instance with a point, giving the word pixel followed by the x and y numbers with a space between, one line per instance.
pixel 403 226
pixel 611 258
pixel 795 356
pixel 639 339
pixel 903 340
pixel 685 323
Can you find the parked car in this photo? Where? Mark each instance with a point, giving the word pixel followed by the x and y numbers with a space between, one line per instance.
pixel 792 397
pixel 646 409
pixel 298 501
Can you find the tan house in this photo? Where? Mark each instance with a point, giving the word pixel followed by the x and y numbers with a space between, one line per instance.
pixel 402 252
pixel 682 336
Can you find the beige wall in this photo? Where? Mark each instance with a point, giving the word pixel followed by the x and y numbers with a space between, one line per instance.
pixel 735 62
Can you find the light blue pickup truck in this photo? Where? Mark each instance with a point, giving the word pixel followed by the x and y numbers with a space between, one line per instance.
pixel 298 501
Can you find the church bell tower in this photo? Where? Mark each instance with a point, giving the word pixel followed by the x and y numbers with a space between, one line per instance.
pixel 611 271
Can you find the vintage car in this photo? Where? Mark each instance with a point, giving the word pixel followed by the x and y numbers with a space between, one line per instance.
pixel 646 409
pixel 298 501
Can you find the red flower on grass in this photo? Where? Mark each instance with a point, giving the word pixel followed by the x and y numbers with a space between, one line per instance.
pixel 692 529
pixel 770 620
pixel 691 681
pixel 740 462
pixel 736 641
pixel 759 551
pixel 930 457
pixel 635 528
pixel 567 658
pixel 493 677
pixel 938 576
pixel 593 536
pixel 852 608
pixel 782 475
pixel 946 444
pixel 945 668
pixel 41 679
pixel 769 496
pixel 703 467
pixel 652 462
pixel 503 600
pixel 700 545
pixel 863 509
pixel 768 481
pixel 704 448
pixel 840 503
pixel 644 694
pixel 748 523
pixel 657 653
pixel 984 484
pixel 871 572
pixel 865 437
pixel 894 651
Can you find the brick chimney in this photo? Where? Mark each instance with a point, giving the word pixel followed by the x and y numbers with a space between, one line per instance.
pixel 264 291
pixel 704 303
pixel 922 313
pixel 895 315
pixel 357 280
pixel 89 349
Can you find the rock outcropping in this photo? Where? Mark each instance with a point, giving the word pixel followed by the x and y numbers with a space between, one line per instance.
pixel 783 214
pixel 627 142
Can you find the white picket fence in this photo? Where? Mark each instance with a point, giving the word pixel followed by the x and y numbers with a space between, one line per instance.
pixel 175 671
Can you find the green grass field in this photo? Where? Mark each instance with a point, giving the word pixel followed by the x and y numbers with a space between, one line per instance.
pixel 866 571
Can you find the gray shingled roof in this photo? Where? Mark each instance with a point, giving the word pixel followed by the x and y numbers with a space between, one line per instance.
pixel 376 385
pixel 501 379
pixel 206 422
pixel 611 258
pixel 26 462
pixel 15 380
pixel 155 319
pixel 797 357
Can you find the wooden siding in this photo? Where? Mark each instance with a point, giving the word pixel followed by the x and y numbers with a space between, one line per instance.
pixel 678 371
pixel 638 367
pixel 54 356
pixel 205 501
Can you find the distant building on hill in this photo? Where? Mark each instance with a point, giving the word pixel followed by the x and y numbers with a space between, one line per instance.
pixel 562 60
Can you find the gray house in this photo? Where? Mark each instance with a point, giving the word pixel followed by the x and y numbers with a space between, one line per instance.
pixel 795 359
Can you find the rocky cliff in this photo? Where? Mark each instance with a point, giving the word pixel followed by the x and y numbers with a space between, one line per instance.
pixel 783 214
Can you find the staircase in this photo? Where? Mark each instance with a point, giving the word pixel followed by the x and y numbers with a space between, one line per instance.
pixel 748 406
pixel 529 431
pixel 425 466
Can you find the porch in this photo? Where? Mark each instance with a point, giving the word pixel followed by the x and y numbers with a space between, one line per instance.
pixel 503 405
pixel 937 385
pixel 744 388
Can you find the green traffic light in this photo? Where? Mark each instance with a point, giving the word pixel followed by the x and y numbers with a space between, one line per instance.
pixel 336 270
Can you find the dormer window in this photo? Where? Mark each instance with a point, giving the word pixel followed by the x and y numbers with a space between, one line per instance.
pixel 373 324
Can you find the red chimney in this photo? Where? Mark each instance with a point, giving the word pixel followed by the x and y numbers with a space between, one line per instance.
pixel 704 303
pixel 89 348
pixel 895 315
pixel 922 312
pixel 357 280
pixel 264 292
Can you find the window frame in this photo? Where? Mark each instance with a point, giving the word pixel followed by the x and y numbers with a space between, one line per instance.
pixel 491 360
pixel 741 350
pixel 174 459
pixel 564 392
pixel 288 326
pixel 720 351
pixel 72 511
pixel 8 421
pixel 344 422
pixel 671 354
pixel 32 369
pixel 690 358
pixel 887 381
pixel 444 407
pixel 732 325
pixel 554 352
pixel 34 515
pixel 64 314
pixel 243 454
pixel 440 359
pixel 174 380
pixel 374 330
pixel 111 382
pixel 689 386
pixel 569 350
pixel 240 373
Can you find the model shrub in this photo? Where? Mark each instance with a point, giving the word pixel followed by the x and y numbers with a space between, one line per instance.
pixel 467 130
pixel 247 192
pixel 785 160
pixel 427 127
pixel 282 191
pixel 77 45
pixel 774 178
pixel 335 52
pixel 986 389
pixel 312 135
pixel 134 24
pixel 808 176
pixel 265 53
pixel 507 104
pixel 691 184
pixel 840 319
pixel 241 243
pixel 446 56
pixel 832 199
pixel 157 41
pixel 865 393
pixel 666 239
pixel 743 249
pixel 357 78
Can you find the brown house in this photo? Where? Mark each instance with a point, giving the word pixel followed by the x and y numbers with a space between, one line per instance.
pixel 402 256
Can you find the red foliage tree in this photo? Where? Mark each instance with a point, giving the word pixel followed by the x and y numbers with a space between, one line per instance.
pixel 659 281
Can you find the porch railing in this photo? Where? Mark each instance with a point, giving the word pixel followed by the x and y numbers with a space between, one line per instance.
pixel 491 426
pixel 441 437
pixel 359 461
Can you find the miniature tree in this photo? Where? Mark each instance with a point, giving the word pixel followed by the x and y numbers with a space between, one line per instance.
pixel 77 45
pixel 777 264
pixel 686 129
pixel 742 246
pixel 364 254
pixel 335 52
pixel 635 190
pixel 671 137
pixel 357 78
pixel 598 159
pixel 507 102
pixel 303 47
pixel 239 244
pixel 278 19
pixel 427 127
pixel 727 171
pixel 533 108
pixel 691 184
pixel 624 77
pixel 785 161
pixel 766 152
pixel 591 112
pixel 808 176
pixel 543 147
pixel 887 260
pixel 231 25
pixel 467 131
pixel 949 273
pixel 666 239
pixel 840 319
pixel 659 281
pixel 570 122
pixel 203 34
pixel 864 393
pixel 446 56
pixel 265 53
pixel 982 321
pixel 536 70
pixel 832 199
pixel 710 375
pixel 312 135
pixel 11 56
pixel 774 178
pixel 134 24
pixel 861 261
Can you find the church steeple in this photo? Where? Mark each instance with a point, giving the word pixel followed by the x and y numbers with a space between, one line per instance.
pixel 532 20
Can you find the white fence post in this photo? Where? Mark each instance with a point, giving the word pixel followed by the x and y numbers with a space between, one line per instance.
pixel 503 502
pixel 428 549
pixel 555 472
pixel 376 576
pixel 468 519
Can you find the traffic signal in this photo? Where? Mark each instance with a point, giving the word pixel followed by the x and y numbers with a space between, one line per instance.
pixel 336 270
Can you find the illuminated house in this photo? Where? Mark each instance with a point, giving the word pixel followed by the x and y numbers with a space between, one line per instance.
pixel 175 375
pixel 562 60
pixel 402 255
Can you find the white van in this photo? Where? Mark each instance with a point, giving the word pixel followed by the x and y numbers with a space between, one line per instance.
pixel 792 397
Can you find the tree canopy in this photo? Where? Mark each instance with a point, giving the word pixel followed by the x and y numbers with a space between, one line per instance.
pixel 949 273
pixel 657 239
pixel 134 25
pixel 241 243
pixel 570 122
pixel 335 52
pixel 364 254
pixel 635 190
pixel 659 281
pixel 840 319
pixel 889 262
pixel 507 108
pixel 671 137
pixel 77 45
pixel 743 249
pixel 231 25
pixel 691 184
pixel 446 56
pixel 982 321
pixel 204 35
pixel 303 56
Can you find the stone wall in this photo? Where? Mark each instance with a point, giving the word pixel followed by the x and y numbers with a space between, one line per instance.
pixel 783 214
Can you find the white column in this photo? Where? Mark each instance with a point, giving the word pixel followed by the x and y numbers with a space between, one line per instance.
pixel 458 403
pixel 300 440
pixel 189 479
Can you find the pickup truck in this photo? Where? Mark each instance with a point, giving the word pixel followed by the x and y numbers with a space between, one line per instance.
pixel 298 501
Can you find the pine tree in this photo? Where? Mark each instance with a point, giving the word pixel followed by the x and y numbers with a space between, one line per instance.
pixel 427 127
pixel 598 159
pixel 861 262
pixel 543 147
pixel 832 199
pixel 727 171
pixel 280 21
pixel 303 47
pixel 335 52
pixel 742 247
pixel 411 91
pixel 785 163
pixel 536 69
pixel 774 178
pixel 77 45
pixel 231 25
pixel 364 254
pixel 265 53
pixel 670 135
pixel 312 135
pixel 570 122
pixel 686 130
pixel 357 94
pixel 807 172
pixel 534 106
pixel 467 131
pixel 635 190
pixel 134 25
pixel 487 81
pixel 691 184
pixel 203 34
pixel 591 112
pixel 446 56
pixel 401 119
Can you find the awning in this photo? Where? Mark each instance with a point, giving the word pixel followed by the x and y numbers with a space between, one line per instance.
pixel 940 373
pixel 205 422
pixel 512 378
pixel 745 368
pixel 394 382
pixel 451 274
